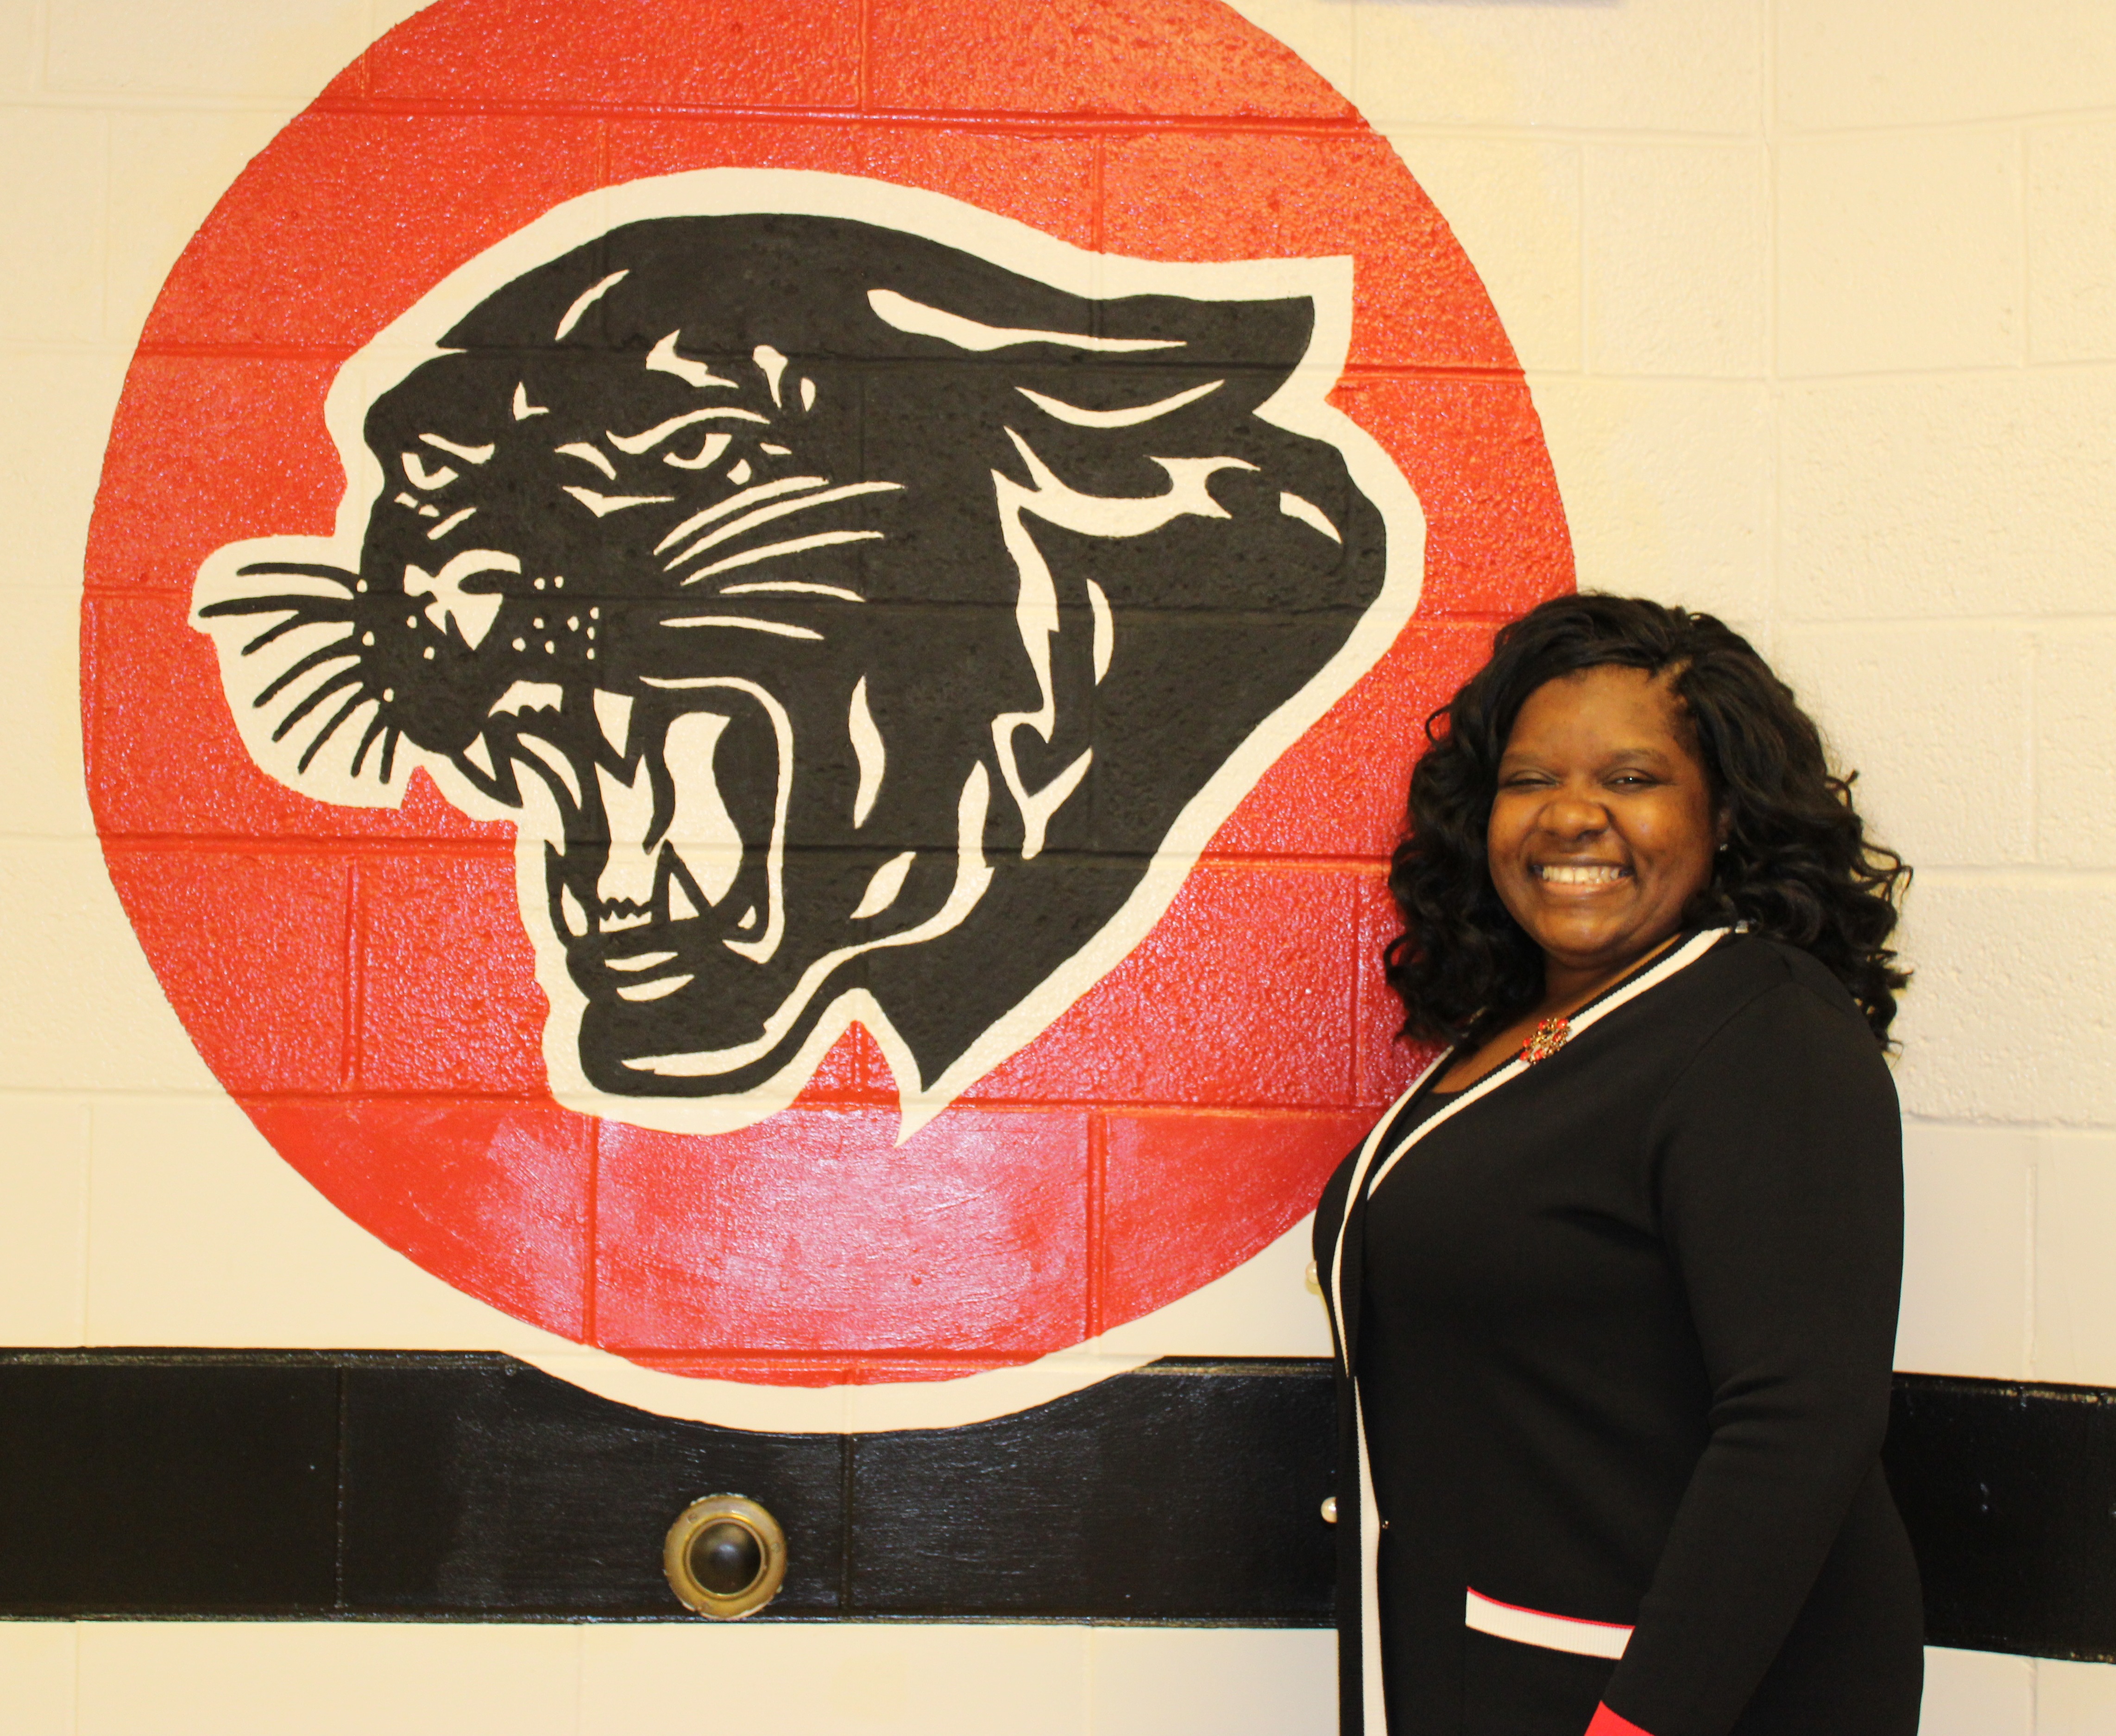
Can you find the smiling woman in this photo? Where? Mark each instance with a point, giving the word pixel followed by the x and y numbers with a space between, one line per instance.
pixel 1615 1341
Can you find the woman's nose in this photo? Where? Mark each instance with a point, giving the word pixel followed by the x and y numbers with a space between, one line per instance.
pixel 1574 816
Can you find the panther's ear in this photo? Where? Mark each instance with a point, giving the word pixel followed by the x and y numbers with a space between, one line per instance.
pixel 1254 345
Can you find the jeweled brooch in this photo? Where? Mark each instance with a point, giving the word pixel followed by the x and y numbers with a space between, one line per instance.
pixel 1546 1039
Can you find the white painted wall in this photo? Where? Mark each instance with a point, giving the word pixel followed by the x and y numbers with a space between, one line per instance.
pixel 1818 299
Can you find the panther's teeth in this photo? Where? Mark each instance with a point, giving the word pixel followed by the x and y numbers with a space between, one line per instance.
pixel 681 909
pixel 614 716
pixel 479 753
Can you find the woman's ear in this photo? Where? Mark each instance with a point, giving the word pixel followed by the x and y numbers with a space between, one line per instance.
pixel 1723 825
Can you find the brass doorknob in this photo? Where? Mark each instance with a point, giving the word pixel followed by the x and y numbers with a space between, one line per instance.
pixel 726 1556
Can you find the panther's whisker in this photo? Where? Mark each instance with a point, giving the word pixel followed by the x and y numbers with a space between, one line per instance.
pixel 375 726
pixel 772 551
pixel 781 509
pixel 335 652
pixel 307 604
pixel 783 629
pixel 736 502
pixel 800 587
pixel 331 729
pixel 296 570
pixel 279 629
pixel 322 691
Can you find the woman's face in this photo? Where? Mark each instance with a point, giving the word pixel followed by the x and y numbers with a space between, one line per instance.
pixel 1603 826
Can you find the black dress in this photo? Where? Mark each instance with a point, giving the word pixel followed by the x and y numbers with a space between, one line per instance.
pixel 1623 1332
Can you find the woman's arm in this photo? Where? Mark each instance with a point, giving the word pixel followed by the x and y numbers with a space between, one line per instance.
pixel 1779 1176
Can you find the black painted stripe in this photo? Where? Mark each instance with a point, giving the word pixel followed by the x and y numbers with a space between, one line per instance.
pixel 472 1487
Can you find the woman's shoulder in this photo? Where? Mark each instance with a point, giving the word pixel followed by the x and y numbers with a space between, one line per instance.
pixel 1743 969
pixel 1760 1007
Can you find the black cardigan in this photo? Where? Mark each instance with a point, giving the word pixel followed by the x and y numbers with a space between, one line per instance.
pixel 1623 1333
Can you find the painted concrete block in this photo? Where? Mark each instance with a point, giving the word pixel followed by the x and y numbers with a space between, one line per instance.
pixel 201 48
pixel 323 1679
pixel 1977 1693
pixel 53 291
pixel 1951 60
pixel 44 1232
pixel 639 146
pixel 87 1016
pixel 1205 1682
pixel 1968 1242
pixel 2075 771
pixel 841 1248
pixel 588 53
pixel 1664 65
pixel 1979 495
pixel 293 910
pixel 202 1234
pixel 2074 1287
pixel 1080 56
pixel 1323 35
pixel 1048 183
pixel 1287 1041
pixel 40 792
pixel 2074 1699
pixel 2071 242
pixel 37 1668
pixel 167 170
pixel 936 1679
pixel 2009 1018
pixel 422 193
pixel 466 1016
pixel 1325 191
pixel 1899 251
pixel 1675 237
pixel 1251 1159
pixel 50 451
pixel 1936 720
pixel 1514 204
pixel 1668 487
pixel 20 65
pixel 1343 796
pixel 1263 1307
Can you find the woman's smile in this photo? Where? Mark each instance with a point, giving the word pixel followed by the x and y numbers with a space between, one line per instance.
pixel 1581 874
pixel 1603 826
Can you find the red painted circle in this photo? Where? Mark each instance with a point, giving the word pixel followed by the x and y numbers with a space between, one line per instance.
pixel 360 980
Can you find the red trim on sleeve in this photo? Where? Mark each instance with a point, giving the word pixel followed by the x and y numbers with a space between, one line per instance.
pixel 1607 1723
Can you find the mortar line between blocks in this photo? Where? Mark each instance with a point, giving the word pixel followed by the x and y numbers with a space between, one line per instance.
pixel 591 1253
pixel 866 84
pixel 355 994
pixel 1774 539
pixel 2026 233
pixel 2030 1225
pixel 1097 1217
pixel 87 1216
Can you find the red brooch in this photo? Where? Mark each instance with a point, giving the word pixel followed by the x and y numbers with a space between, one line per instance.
pixel 1546 1039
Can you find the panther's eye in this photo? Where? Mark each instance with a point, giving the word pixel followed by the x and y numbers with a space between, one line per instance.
pixel 707 453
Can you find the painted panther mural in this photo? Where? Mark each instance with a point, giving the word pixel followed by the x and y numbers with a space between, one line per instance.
pixel 858 622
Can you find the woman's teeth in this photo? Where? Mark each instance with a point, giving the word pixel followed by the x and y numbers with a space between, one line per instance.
pixel 1579 874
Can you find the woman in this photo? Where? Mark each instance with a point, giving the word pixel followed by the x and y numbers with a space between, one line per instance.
pixel 1616 1291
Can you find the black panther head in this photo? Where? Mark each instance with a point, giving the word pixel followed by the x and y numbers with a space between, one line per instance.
pixel 846 620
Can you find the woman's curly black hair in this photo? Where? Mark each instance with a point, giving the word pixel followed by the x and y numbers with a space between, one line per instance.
pixel 1797 865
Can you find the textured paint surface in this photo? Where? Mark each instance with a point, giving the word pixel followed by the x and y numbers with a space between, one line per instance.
pixel 360 978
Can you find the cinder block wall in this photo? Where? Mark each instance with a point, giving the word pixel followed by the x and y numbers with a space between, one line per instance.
pixel 1818 299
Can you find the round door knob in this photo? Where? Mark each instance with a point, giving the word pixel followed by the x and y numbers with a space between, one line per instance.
pixel 1329 1510
pixel 725 1557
